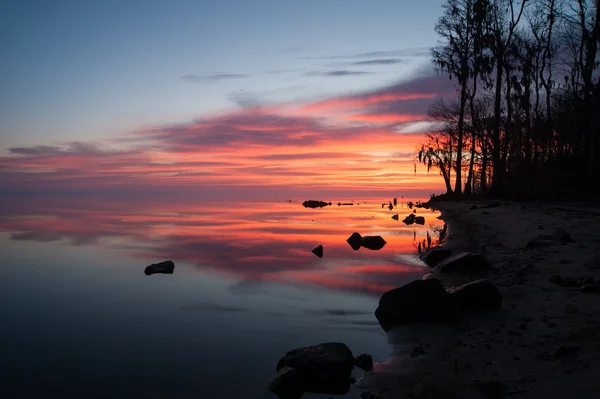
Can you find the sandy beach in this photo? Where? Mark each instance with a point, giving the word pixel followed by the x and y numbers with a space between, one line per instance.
pixel 543 343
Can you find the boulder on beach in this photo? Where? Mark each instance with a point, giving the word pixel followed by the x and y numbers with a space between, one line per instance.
pixel 477 295
pixel 373 243
pixel 462 262
pixel 166 267
pixel 325 368
pixel 315 204
pixel 364 362
pixel 318 251
pixel 435 255
pixel 419 220
pixel 287 384
pixel 420 300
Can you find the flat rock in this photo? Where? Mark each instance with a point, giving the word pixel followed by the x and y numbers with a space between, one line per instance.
pixel 166 267
pixel 463 262
pixel 315 204
pixel 420 300
pixel 325 368
pixel 477 295
pixel 435 255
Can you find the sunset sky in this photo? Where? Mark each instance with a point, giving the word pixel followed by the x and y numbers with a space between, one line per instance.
pixel 217 97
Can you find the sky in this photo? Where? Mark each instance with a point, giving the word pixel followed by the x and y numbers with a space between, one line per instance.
pixel 218 96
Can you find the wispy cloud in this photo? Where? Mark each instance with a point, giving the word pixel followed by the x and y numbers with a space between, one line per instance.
pixel 338 72
pixel 408 52
pixel 213 77
pixel 382 61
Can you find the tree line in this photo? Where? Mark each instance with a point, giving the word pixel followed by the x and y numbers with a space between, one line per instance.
pixel 525 119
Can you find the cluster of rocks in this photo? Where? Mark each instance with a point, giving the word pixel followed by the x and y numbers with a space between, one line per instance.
pixel 444 260
pixel 325 368
pixel 374 243
pixel 412 218
pixel 587 284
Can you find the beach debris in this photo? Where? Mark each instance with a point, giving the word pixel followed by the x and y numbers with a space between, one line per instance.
pixel 373 243
pixel 410 219
pixel 435 255
pixel 325 368
pixel 315 204
pixel 559 236
pixel 593 288
pixel 477 295
pixel 462 262
pixel 395 217
pixel 318 251
pixel 166 267
pixel 593 263
pixel 420 300
pixel 419 220
pixel 567 350
pixel 390 206
pixel 364 362
pixel 287 384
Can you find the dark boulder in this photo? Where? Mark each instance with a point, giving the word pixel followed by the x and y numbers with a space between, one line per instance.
pixel 420 300
pixel 287 384
pixel 315 204
pixel 355 241
pixel 318 251
pixel 419 220
pixel 477 295
pixel 463 262
pixel 166 267
pixel 373 243
pixel 364 362
pixel 325 368
pixel 593 263
pixel 410 219
pixel 435 255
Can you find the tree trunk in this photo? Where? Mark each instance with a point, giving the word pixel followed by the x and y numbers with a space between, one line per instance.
pixel 459 144
pixel 496 189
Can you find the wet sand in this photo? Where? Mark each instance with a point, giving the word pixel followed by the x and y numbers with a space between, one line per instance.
pixel 543 343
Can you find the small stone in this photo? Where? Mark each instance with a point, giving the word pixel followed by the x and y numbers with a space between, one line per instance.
pixel 364 362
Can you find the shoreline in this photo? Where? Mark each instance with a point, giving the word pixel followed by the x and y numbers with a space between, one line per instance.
pixel 543 342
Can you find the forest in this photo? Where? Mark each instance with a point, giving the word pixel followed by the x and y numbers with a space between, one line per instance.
pixel 525 119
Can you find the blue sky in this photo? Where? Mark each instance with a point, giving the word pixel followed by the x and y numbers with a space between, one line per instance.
pixel 77 70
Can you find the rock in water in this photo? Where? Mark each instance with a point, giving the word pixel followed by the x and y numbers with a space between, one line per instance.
pixel 355 241
pixel 318 251
pixel 477 295
pixel 325 368
pixel 364 362
pixel 166 267
pixel 287 384
pixel 410 219
pixel 463 262
pixel 395 217
pixel 373 243
pixel 419 220
pixel 435 255
pixel 420 300
pixel 315 204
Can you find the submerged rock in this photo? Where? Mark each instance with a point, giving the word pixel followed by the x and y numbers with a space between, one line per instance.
pixel 166 267
pixel 420 300
pixel 419 220
pixel 315 204
pixel 410 219
pixel 318 251
pixel 477 295
pixel 435 255
pixel 355 241
pixel 395 217
pixel 325 368
pixel 463 262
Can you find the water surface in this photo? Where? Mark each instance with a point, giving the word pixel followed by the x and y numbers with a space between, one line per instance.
pixel 80 318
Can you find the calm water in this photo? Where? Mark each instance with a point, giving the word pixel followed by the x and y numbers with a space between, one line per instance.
pixel 80 318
